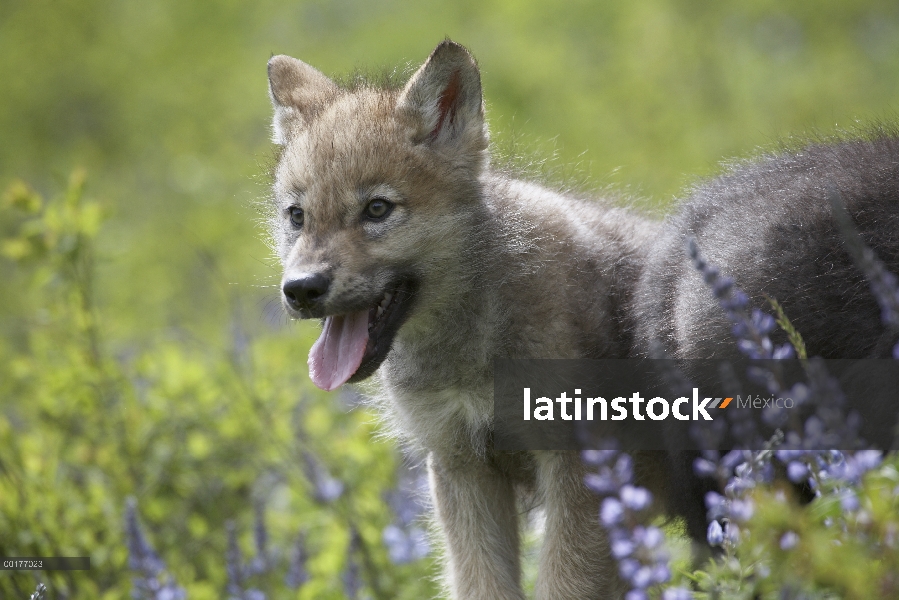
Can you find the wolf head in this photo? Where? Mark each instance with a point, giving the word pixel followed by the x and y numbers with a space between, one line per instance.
pixel 370 186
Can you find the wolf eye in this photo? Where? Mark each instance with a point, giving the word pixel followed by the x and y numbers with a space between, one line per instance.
pixel 378 208
pixel 296 216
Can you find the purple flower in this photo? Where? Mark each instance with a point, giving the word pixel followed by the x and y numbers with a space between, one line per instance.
pixel 405 542
pixel 867 460
pixel 741 509
pixel 750 328
pixel 409 499
pixel 405 546
pixel 602 483
pixel 677 594
pixel 624 468
pixel 799 447
pixel 611 512
pixel 635 498
pixel 260 562
pixel 352 579
pixel 784 352
pixel 789 540
pixel 732 533
pixel 297 575
pixel 622 548
pixel 661 573
pixel 639 550
pixel 797 471
pixel 237 571
pixel 628 567
pixel 234 563
pixel 733 458
pixel 597 458
pixel 150 580
pixel 849 501
pixel 652 537
pixel 715 534
pixel 716 504
pixel 325 489
pixel 704 467
pixel 642 579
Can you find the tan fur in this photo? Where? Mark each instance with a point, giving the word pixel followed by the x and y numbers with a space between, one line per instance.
pixel 506 269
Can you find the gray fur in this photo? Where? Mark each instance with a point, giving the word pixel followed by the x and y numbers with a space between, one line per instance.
pixel 506 268
pixel 768 224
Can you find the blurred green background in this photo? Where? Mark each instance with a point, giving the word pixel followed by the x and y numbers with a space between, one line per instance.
pixel 148 356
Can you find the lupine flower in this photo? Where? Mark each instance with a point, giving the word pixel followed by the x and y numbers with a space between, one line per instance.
pixel 797 471
pixel 405 546
pixel 150 580
pixel 751 328
pixel 800 448
pixel 789 540
pixel 640 551
pixel 297 575
pixel 715 534
pixel 405 540
pixel 325 488
pixel 237 571
pixel 677 594
pixel 610 478
pixel 233 562
pixel 731 533
pixel 741 509
pixel 612 512
pixel 830 426
pixel 596 458
pixel 849 501
pixel 261 561
pixel 635 498
pixel 352 579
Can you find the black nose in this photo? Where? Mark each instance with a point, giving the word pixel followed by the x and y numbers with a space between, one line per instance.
pixel 306 291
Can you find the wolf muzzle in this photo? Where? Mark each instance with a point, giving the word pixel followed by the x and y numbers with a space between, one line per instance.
pixel 306 292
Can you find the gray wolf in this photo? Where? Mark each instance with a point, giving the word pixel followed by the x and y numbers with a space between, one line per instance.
pixel 424 264
pixel 768 224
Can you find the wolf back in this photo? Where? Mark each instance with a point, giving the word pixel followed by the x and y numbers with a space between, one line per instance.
pixel 769 225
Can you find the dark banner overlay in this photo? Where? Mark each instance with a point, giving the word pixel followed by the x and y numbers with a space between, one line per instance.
pixel 673 405
pixel 45 563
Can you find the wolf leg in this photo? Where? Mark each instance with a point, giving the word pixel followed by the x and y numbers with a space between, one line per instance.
pixel 475 505
pixel 575 561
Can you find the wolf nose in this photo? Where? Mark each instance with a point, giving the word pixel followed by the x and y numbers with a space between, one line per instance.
pixel 306 291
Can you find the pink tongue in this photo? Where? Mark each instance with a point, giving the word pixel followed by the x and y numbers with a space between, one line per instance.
pixel 338 352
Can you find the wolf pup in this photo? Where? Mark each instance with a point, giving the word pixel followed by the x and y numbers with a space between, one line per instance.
pixel 425 265
pixel 769 225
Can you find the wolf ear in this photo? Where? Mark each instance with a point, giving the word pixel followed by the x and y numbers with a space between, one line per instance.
pixel 298 92
pixel 444 98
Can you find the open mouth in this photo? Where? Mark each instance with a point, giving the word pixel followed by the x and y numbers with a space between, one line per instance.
pixel 353 345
